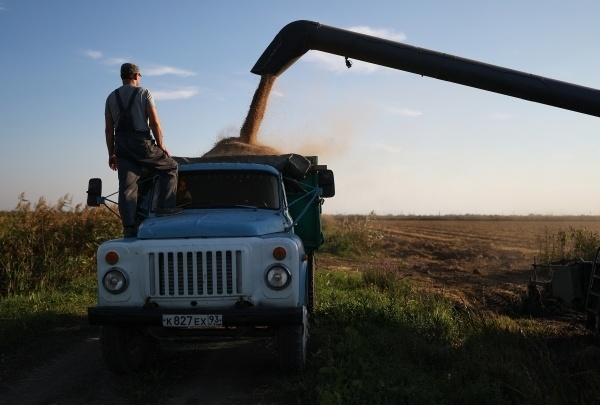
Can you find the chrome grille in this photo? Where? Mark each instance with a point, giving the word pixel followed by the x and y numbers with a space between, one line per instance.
pixel 192 273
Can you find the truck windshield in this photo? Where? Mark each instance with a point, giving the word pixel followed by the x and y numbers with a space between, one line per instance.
pixel 223 189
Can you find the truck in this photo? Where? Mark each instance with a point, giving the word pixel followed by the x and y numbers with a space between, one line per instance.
pixel 238 262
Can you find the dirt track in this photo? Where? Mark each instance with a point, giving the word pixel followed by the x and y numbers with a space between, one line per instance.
pixel 481 264
pixel 68 369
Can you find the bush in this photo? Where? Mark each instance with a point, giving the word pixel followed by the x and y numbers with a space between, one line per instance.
pixel 46 246
pixel 572 243
pixel 350 236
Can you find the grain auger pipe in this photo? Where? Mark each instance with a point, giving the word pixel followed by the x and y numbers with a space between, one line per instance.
pixel 298 37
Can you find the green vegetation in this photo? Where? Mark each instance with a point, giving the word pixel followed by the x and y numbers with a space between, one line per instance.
pixel 572 243
pixel 43 248
pixel 351 235
pixel 374 337
pixel 31 315
pixel 47 266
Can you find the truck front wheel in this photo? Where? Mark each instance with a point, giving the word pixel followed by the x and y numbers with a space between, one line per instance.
pixel 124 349
pixel 291 345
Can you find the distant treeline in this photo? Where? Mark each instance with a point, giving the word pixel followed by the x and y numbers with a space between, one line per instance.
pixel 475 217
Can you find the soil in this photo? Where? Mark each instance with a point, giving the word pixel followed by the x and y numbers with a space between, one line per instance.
pixel 483 265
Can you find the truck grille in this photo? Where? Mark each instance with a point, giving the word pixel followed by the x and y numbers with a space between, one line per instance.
pixel 185 274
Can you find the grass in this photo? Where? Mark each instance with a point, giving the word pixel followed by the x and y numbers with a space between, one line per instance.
pixel 27 316
pixel 571 243
pixel 389 343
pixel 374 338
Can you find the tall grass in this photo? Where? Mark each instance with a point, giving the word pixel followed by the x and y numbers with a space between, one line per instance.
pixel 45 246
pixel 351 235
pixel 571 243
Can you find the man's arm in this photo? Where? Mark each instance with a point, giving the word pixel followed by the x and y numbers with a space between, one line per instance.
pixel 154 123
pixel 109 132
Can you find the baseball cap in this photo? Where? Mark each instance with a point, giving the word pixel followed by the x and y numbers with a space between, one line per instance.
pixel 129 69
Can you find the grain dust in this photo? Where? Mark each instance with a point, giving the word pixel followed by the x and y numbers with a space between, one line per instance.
pixel 247 143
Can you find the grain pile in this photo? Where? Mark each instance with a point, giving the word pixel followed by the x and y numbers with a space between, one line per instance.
pixel 247 143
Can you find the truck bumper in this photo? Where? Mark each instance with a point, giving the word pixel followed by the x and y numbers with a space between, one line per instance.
pixel 232 317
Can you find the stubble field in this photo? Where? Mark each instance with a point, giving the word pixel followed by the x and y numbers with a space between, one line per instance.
pixel 481 264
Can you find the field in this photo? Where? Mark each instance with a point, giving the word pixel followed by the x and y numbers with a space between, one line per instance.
pixel 479 266
pixel 480 263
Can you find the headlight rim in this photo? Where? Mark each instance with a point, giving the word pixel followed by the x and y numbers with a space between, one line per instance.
pixel 287 272
pixel 113 270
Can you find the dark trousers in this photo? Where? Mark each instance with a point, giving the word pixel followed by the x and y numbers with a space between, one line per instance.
pixel 134 152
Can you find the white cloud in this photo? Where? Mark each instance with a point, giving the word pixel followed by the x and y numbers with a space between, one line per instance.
pixel 405 112
pixel 167 70
pixel 115 61
pixel 156 70
pixel 380 33
pixel 337 64
pixel 3 7
pixel 180 94
pixel 94 54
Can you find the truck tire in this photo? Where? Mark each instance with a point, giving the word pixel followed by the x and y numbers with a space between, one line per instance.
pixel 311 300
pixel 124 349
pixel 291 345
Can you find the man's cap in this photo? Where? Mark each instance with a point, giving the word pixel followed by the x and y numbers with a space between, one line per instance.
pixel 129 69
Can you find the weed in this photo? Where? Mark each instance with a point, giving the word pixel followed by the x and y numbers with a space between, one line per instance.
pixel 351 236
pixel 571 243
pixel 47 246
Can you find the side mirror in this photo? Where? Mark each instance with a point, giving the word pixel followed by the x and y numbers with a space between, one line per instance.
pixel 94 192
pixel 326 183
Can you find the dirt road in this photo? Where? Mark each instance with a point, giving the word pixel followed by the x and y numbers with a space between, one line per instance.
pixel 67 369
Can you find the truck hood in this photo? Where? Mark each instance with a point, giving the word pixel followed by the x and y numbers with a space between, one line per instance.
pixel 214 223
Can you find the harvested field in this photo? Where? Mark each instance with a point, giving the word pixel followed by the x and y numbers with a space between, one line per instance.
pixel 480 264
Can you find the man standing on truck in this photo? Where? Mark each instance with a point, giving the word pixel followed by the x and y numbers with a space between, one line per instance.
pixel 130 114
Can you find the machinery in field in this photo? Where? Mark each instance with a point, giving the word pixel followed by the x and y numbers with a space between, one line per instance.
pixel 575 284
pixel 578 282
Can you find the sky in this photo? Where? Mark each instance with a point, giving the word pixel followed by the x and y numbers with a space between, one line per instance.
pixel 398 143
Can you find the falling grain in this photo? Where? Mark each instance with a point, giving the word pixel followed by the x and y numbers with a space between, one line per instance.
pixel 247 143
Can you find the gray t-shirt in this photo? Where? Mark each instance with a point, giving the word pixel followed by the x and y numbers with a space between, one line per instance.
pixel 138 110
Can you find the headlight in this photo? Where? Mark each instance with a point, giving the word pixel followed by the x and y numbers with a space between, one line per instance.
pixel 278 277
pixel 114 281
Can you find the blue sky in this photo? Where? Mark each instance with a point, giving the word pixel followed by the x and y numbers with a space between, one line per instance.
pixel 398 143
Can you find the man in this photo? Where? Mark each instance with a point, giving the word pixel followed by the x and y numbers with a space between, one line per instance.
pixel 129 114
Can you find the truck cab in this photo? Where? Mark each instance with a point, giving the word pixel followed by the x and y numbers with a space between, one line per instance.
pixel 237 262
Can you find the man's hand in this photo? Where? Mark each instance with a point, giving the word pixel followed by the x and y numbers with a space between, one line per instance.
pixel 164 149
pixel 112 162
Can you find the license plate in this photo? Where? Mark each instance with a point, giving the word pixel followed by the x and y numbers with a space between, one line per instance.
pixel 192 321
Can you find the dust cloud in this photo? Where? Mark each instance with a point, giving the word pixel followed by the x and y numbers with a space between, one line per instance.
pixel 247 143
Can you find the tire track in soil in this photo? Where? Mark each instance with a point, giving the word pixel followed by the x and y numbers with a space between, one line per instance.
pixel 76 375
pixel 215 373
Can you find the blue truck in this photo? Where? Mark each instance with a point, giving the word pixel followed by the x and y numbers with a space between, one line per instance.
pixel 238 262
